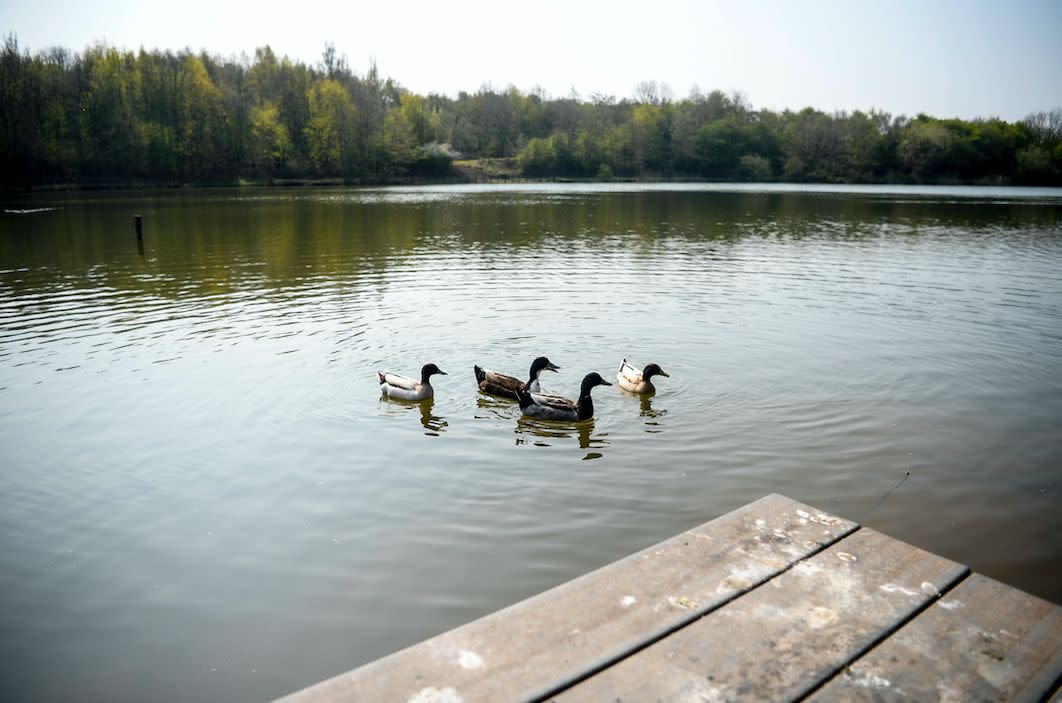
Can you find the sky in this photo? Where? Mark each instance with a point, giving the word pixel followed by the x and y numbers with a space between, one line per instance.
pixel 945 58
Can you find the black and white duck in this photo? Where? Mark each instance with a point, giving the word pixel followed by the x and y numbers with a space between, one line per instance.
pixel 405 388
pixel 555 407
pixel 505 386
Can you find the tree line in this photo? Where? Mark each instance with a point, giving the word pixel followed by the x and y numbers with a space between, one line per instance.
pixel 111 116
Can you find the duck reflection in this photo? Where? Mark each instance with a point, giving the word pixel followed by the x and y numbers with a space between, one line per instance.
pixel 489 407
pixel 433 424
pixel 530 430
pixel 652 415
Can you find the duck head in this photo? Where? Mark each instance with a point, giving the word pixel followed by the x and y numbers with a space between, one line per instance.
pixel 542 364
pixel 429 370
pixel 653 370
pixel 590 380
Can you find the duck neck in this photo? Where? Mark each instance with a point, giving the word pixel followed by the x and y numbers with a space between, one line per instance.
pixel 584 409
pixel 424 376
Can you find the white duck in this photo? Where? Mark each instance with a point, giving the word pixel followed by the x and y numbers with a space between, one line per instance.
pixel 635 381
pixel 395 386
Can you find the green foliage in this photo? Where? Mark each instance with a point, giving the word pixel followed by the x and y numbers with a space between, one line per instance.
pixel 650 137
pixel 537 157
pixel 270 143
pixel 753 167
pixel 1034 166
pixel 928 149
pixel 330 132
pixel 431 160
pixel 201 118
pixel 110 115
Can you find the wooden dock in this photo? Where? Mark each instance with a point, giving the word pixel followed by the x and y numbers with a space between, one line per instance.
pixel 776 601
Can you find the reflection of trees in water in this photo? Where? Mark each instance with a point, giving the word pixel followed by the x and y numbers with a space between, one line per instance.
pixel 544 430
pixel 278 242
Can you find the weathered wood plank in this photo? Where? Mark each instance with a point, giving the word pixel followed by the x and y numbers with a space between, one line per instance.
pixel 983 641
pixel 781 640
pixel 551 640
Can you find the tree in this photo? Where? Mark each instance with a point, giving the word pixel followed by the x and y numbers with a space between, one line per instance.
pixel 814 146
pixel 200 117
pixel 537 158
pixel 270 142
pixel 926 149
pixel 1034 166
pixel 618 145
pixel 653 93
pixel 108 113
pixel 753 167
pixel 1045 128
pixel 399 137
pixel 867 150
pixel 331 129
pixel 650 137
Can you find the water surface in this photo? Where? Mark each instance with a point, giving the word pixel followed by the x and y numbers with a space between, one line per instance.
pixel 202 495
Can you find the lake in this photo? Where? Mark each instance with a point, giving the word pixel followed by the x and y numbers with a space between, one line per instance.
pixel 204 497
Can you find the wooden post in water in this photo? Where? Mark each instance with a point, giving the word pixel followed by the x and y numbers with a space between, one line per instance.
pixel 139 233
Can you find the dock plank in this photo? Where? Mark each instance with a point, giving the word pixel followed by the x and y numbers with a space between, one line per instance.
pixel 984 641
pixel 548 642
pixel 783 639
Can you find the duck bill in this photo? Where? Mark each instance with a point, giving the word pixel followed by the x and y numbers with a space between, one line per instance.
pixel 552 367
pixel 605 383
pixel 665 374
pixel 440 371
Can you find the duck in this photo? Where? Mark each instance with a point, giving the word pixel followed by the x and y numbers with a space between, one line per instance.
pixel 635 381
pixel 505 386
pixel 555 407
pixel 405 388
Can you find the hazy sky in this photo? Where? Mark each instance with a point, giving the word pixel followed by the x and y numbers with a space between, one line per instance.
pixel 965 58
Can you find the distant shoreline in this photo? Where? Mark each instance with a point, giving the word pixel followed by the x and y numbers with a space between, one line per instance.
pixel 487 180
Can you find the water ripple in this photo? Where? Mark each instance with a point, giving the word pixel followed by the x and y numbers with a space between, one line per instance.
pixel 182 427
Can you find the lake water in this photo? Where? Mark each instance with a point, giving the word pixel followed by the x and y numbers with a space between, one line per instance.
pixel 203 496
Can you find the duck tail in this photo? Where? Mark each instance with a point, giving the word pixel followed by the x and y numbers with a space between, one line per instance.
pixel 523 397
pixel 481 375
pixel 380 375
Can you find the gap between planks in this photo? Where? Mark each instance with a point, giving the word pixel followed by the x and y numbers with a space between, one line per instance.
pixel 564 686
pixel 686 623
pixel 887 634
pixel 959 574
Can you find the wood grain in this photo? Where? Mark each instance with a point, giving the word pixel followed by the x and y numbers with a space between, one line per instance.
pixel 781 640
pixel 984 641
pixel 547 642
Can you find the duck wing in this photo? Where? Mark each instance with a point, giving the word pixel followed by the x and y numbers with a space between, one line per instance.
pixel 555 402
pixel 393 379
pixel 629 374
pixel 497 383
